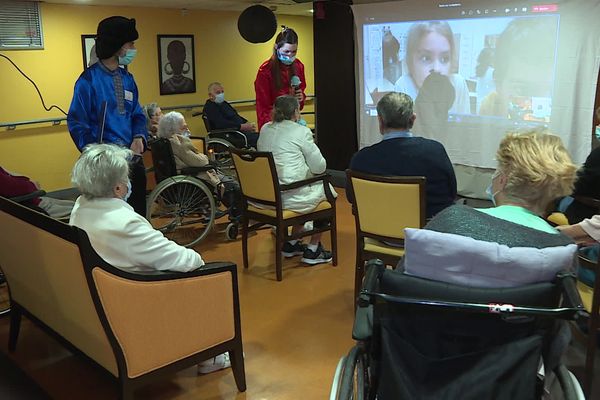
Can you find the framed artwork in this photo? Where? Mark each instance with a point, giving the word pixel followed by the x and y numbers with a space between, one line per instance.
pixel 87 46
pixel 176 69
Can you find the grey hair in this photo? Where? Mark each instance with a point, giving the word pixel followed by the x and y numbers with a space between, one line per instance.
pixel 149 109
pixel 170 124
pixel 213 84
pixel 396 110
pixel 100 168
pixel 285 108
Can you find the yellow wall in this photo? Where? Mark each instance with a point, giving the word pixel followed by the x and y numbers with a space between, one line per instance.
pixel 46 153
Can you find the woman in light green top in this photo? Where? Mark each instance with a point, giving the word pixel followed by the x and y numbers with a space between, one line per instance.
pixel 534 168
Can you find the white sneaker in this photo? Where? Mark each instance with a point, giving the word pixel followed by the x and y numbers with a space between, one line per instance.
pixel 214 364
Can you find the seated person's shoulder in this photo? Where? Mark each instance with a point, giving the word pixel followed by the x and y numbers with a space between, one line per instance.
pixel 467 221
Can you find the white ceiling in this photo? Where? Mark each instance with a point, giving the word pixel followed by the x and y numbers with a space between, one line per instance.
pixel 289 7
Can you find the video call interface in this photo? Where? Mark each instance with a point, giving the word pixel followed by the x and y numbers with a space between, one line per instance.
pixel 489 63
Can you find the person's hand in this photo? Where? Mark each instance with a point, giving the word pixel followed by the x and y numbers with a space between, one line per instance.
pixel 299 95
pixel 137 146
pixel 248 127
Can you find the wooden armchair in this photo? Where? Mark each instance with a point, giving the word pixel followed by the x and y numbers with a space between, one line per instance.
pixel 260 186
pixel 382 208
pixel 135 326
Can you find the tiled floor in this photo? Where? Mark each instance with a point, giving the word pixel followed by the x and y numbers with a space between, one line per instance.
pixel 294 332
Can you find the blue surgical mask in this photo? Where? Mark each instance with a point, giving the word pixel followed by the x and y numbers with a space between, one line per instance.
pixel 219 98
pixel 490 195
pixel 128 57
pixel 302 121
pixel 126 197
pixel 488 191
pixel 287 60
pixel 598 132
pixel 186 133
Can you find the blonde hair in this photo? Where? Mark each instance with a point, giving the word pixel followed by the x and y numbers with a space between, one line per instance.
pixel 537 167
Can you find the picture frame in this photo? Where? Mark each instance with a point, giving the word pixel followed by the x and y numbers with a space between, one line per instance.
pixel 176 64
pixel 87 44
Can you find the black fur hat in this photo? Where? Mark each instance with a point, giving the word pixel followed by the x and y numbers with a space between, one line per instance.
pixel 113 33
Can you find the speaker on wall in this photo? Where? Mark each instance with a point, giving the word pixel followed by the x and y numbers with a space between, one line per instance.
pixel 257 24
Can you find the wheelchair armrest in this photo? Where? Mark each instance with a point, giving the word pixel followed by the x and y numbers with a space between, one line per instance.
pixel 374 269
pixel 571 295
pixel 28 196
pixel 225 130
pixel 195 170
pixel 363 323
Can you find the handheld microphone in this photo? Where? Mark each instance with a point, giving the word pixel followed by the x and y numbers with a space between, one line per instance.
pixel 295 82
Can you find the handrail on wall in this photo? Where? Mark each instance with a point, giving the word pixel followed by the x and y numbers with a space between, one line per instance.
pixel 11 126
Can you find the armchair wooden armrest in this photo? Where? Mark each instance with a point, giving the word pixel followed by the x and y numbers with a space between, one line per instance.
pixel 325 178
pixel 586 263
pixel 159 318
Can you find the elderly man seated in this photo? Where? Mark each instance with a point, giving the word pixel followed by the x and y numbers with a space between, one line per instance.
pixel 221 115
pixel 117 233
pixel 401 154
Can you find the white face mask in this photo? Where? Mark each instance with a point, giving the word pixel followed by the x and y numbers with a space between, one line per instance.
pixel 219 98
pixel 126 197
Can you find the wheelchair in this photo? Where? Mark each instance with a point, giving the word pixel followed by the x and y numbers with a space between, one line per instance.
pixel 184 208
pixel 424 339
pixel 218 143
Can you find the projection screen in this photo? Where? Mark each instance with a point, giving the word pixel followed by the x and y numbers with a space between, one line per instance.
pixel 510 65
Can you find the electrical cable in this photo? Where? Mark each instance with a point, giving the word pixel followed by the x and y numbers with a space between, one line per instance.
pixel 35 86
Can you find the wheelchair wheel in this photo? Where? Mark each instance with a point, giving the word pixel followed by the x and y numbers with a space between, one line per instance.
pixel 350 382
pixel 183 209
pixel 220 153
pixel 232 231
pixel 4 297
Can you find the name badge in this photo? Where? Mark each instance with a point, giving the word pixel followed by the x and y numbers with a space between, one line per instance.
pixel 128 95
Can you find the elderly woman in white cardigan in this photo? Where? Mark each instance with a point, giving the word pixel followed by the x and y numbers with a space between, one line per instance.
pixel 297 157
pixel 117 233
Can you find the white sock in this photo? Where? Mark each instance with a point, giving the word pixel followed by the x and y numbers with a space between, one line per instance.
pixel 313 247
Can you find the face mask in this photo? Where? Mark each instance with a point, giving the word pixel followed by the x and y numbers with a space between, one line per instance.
pixel 126 197
pixel 491 196
pixel 186 133
pixel 302 121
pixel 488 191
pixel 287 60
pixel 128 57
pixel 598 132
pixel 219 98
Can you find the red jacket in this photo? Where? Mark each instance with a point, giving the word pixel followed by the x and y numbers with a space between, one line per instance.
pixel 11 185
pixel 266 93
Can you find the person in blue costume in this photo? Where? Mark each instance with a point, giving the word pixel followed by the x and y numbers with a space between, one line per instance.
pixel 105 106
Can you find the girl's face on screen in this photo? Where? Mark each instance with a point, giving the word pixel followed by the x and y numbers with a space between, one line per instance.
pixel 433 54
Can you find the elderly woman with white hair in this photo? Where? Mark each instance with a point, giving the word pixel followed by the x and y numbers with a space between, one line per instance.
pixel 172 126
pixel 117 233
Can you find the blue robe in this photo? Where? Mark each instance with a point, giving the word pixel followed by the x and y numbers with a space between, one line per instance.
pixel 105 98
